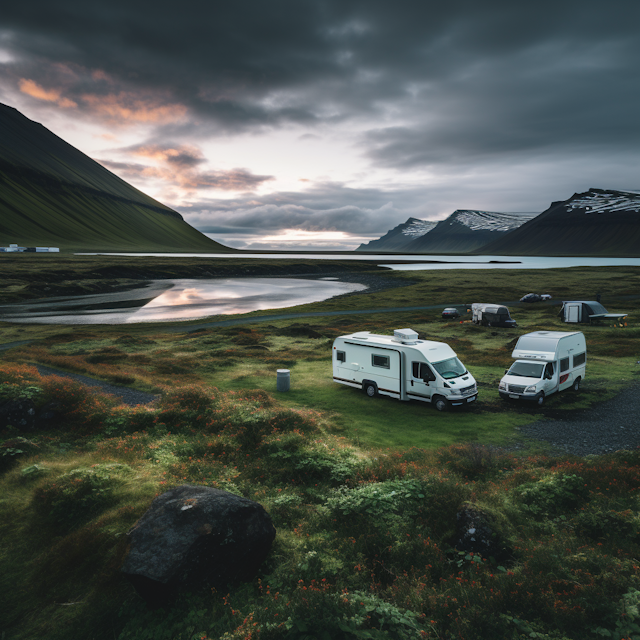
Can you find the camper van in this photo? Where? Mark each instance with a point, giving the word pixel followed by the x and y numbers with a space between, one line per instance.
pixel 546 362
pixel 586 311
pixel 403 367
pixel 491 315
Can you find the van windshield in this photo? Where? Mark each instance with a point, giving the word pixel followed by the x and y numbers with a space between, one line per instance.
pixel 526 369
pixel 450 368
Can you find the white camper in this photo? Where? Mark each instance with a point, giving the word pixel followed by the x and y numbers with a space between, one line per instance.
pixel 546 362
pixel 491 315
pixel 403 367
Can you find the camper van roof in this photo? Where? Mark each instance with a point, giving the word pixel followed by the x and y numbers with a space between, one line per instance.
pixel 549 334
pixel 435 351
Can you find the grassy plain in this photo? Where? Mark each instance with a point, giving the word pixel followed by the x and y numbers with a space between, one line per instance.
pixel 363 492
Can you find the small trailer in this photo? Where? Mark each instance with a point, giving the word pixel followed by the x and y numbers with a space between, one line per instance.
pixel 585 311
pixel 491 315
pixel 546 362
pixel 403 367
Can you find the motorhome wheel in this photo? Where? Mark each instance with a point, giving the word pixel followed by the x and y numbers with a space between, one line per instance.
pixel 576 384
pixel 441 403
pixel 540 399
pixel 370 389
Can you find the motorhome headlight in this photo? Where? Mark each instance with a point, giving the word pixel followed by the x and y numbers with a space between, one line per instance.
pixel 502 386
pixel 531 389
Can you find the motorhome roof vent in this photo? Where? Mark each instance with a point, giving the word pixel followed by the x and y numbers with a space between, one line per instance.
pixel 405 336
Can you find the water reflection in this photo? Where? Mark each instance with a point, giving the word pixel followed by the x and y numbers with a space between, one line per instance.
pixel 183 299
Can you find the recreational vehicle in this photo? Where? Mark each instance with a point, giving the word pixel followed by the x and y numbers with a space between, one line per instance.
pixel 403 367
pixel 546 362
pixel 491 315
pixel 586 311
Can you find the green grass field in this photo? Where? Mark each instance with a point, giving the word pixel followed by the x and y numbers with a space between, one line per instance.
pixel 358 552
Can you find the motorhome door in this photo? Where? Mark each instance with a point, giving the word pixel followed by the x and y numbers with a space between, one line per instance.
pixel 421 381
pixel 550 376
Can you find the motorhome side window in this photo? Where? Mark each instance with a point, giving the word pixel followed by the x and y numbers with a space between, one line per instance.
pixel 579 359
pixel 564 364
pixel 380 361
pixel 421 371
pixel 341 356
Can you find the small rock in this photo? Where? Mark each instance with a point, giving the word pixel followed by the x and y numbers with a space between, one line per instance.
pixel 476 532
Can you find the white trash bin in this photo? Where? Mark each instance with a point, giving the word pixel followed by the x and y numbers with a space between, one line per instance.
pixel 284 380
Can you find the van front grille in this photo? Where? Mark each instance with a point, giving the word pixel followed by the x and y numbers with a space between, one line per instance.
pixel 467 391
pixel 516 388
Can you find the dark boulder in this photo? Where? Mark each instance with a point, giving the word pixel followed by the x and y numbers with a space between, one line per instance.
pixel 476 532
pixel 23 415
pixel 192 535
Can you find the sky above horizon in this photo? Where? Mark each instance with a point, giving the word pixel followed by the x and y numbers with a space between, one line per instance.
pixel 324 123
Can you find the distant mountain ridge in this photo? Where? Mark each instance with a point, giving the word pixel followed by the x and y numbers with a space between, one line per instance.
pixel 399 237
pixel 464 230
pixel 598 222
pixel 52 194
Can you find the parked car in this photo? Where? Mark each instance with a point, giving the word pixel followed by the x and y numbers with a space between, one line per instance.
pixel 403 367
pixel 450 312
pixel 546 362
pixel 531 297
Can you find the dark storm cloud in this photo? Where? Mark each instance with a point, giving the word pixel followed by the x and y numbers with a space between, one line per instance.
pixel 325 207
pixel 459 81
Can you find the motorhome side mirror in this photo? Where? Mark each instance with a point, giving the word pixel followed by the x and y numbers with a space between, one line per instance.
pixel 506 370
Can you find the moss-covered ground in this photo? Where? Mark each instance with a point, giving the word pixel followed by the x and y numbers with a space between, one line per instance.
pixel 363 492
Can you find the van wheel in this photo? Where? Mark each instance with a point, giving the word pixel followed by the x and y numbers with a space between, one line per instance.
pixel 441 403
pixel 370 389
pixel 576 384
pixel 540 399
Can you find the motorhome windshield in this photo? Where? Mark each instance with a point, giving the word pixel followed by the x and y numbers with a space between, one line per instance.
pixel 526 369
pixel 527 343
pixel 450 368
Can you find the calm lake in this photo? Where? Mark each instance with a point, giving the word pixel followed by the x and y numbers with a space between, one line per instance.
pixel 417 262
pixel 183 299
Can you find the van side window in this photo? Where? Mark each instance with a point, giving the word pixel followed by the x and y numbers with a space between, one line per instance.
pixel 579 359
pixel 341 356
pixel 422 371
pixel 380 361
pixel 564 364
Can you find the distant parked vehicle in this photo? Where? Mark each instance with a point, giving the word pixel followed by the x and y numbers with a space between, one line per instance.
pixel 491 315
pixel 586 311
pixel 531 297
pixel 546 362
pixel 450 312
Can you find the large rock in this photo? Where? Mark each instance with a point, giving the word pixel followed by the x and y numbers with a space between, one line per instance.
pixel 476 532
pixel 192 535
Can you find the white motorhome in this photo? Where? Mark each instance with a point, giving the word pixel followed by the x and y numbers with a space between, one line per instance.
pixel 403 367
pixel 546 362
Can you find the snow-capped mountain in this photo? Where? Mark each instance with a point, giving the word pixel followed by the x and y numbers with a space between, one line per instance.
pixel 399 237
pixel 598 222
pixel 466 230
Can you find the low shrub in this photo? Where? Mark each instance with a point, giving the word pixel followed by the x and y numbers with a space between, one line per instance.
pixel 78 494
pixel 552 496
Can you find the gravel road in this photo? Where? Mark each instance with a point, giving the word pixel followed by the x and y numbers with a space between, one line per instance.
pixel 608 426
pixel 128 396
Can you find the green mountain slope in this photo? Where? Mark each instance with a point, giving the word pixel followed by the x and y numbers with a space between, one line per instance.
pixel 594 223
pixel 52 194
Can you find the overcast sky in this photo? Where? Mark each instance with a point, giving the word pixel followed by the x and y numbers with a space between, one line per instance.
pixel 324 123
